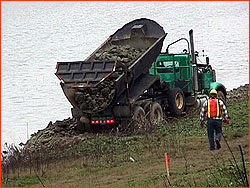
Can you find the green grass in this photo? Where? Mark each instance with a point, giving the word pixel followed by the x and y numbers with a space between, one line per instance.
pixel 22 181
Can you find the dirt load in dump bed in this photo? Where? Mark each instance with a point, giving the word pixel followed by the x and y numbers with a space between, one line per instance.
pixel 99 82
pixel 97 98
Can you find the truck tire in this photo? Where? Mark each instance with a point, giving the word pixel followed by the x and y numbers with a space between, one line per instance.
pixel 144 103
pixel 154 112
pixel 221 96
pixel 176 101
pixel 134 124
pixel 146 108
pixel 138 118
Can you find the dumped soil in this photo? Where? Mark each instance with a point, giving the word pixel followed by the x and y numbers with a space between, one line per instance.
pixel 238 95
pixel 55 134
pixel 93 100
pixel 64 133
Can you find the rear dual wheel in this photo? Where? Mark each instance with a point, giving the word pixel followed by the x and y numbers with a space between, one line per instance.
pixel 154 112
pixel 138 117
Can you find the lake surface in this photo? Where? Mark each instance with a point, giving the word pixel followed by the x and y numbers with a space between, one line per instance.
pixel 36 35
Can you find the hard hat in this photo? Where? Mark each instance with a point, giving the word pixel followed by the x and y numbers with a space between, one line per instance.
pixel 213 92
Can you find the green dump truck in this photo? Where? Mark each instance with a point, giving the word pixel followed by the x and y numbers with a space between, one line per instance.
pixel 128 79
pixel 183 78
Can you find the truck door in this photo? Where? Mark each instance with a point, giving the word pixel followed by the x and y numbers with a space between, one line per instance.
pixel 169 71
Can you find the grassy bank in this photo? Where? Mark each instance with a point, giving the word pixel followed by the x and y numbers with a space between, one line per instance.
pixel 138 160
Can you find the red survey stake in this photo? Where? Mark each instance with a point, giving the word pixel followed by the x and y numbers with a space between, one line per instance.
pixel 167 162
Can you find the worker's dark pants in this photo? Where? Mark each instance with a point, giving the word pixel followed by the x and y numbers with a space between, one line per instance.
pixel 214 126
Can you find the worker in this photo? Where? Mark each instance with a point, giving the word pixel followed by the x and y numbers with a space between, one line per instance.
pixel 215 111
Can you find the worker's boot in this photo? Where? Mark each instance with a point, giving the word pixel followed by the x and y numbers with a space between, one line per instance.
pixel 218 146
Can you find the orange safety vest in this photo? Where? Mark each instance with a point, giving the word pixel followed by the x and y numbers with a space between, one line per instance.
pixel 213 108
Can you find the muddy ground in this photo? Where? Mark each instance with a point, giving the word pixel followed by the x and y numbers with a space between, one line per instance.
pixel 65 133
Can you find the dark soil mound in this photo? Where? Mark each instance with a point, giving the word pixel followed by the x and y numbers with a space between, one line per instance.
pixel 238 95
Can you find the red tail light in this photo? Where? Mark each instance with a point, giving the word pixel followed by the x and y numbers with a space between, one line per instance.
pixel 111 121
pixel 95 122
pixel 98 122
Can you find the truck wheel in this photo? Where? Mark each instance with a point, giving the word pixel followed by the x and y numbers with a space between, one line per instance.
pixel 138 117
pixel 221 96
pixel 156 113
pixel 176 101
pixel 145 103
pixel 146 107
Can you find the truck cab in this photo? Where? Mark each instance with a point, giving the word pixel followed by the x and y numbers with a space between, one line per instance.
pixel 175 70
pixel 183 78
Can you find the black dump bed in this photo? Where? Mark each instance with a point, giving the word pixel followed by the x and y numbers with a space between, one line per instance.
pixel 99 81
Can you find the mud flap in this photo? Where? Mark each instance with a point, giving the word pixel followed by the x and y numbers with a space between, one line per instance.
pixel 76 113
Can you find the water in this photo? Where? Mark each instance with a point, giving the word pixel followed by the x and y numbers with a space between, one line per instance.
pixel 35 35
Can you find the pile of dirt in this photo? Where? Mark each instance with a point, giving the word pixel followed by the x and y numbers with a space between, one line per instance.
pixel 93 100
pixel 238 95
pixel 64 133
pixel 55 135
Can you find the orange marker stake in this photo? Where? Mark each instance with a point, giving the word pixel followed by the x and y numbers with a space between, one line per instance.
pixel 167 163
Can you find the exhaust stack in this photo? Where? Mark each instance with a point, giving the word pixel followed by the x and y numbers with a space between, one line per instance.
pixel 194 62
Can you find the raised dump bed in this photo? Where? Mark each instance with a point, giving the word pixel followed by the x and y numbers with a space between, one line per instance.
pixel 107 75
